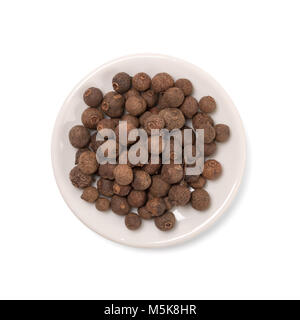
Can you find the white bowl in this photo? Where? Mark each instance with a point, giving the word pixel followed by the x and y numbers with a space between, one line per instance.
pixel 190 222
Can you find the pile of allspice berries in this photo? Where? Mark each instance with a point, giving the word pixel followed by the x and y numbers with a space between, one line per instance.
pixel 144 191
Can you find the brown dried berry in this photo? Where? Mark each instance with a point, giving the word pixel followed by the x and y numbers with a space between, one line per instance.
pixel 162 82
pixel 113 105
pixel 79 179
pixel 155 110
pixel 165 222
pixel 200 199
pixel 144 213
pixel 90 194
pixel 133 221
pixel 200 183
pixel 207 104
pixel 159 187
pixel 137 198
pixel 121 82
pixel 144 117
pixel 209 148
pixel 132 119
pixel 141 81
pixel 181 195
pixel 209 132
pixel 106 171
pixel 156 206
pixel 185 85
pixel 131 92
pixel 79 136
pixel 93 97
pixel 119 205
pixel 172 98
pixel 201 118
pixel 123 174
pixel 212 169
pixel 172 173
pixel 141 180
pixel 78 154
pixel 150 97
pixel 222 132
pixel 152 168
pixel 135 105
pixel 106 124
pixel 174 118
pixel 154 122
pixel 121 190
pixel 90 117
pixel 102 204
pixel 189 107
pixel 105 187
pixel 95 143
pixel 87 162
pixel 169 203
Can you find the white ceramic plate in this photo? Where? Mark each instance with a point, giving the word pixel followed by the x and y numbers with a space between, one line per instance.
pixel 231 154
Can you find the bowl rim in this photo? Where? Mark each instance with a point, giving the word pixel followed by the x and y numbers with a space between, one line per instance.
pixel 206 224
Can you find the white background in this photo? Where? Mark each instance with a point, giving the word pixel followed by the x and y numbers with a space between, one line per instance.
pixel 251 48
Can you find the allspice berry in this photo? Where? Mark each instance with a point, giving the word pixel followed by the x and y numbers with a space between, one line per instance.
pixel 121 82
pixel 144 213
pixel 201 118
pixel 90 117
pixel 156 206
pixel 131 92
pixel 155 110
pixel 181 195
pixel 79 136
pixel 133 221
pixel 151 168
pixel 105 187
pixel 123 174
pixel 90 194
pixel 141 81
pixel 209 148
pixel 165 222
pixel 151 97
pixel 78 154
pixel 93 97
pixel 174 118
pixel 212 169
pixel 87 162
pixel 154 122
pixel 106 171
pixel 113 105
pixel 144 117
pixel 189 107
pixel 95 143
pixel 130 127
pixel 137 198
pixel 79 179
pixel 209 132
pixel 173 98
pixel 119 205
pixel 135 105
pixel 132 119
pixel 162 82
pixel 159 188
pixel 172 173
pixel 141 180
pixel 185 85
pixel 222 132
pixel 122 191
pixel 102 204
pixel 106 124
pixel 207 104
pixel 200 199
pixel 200 183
